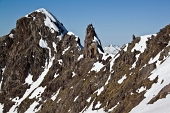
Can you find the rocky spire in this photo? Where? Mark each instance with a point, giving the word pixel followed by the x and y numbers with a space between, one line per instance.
pixel 92 44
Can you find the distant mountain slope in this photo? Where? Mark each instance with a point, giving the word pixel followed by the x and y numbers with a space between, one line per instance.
pixel 45 69
pixel 111 49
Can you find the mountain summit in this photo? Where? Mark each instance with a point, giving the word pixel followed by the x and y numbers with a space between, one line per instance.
pixel 44 68
pixel 49 20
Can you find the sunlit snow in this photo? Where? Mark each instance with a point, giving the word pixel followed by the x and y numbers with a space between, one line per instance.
pixel 56 75
pixel 1 108
pixel 71 33
pixel 125 47
pixel 55 95
pixel 97 66
pixel 76 98
pixel 141 45
pixel 134 64
pixel 11 35
pixel 29 79
pixel 43 43
pixel 65 50
pixel 60 61
pixel 88 100
pixel 122 79
pixel 141 89
pixel 111 109
pixel 51 21
pixel 89 110
pixel 54 46
pixel 162 105
pixel 73 74
pixel 100 90
pixel 96 40
pixel 80 57
pixel 32 108
pixel 37 92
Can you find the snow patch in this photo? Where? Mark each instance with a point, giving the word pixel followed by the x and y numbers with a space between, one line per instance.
pixel 96 39
pixel 141 89
pixel 97 66
pixel 73 74
pixel 50 24
pixel 122 79
pixel 1 108
pixel 71 33
pixel 89 110
pixel 98 105
pixel 134 64
pixel 125 47
pixel 28 80
pixel 80 57
pixel 100 90
pixel 65 50
pixel 141 45
pixel 60 61
pixel 32 108
pixel 54 46
pixel 108 80
pixel 56 75
pixel 58 100
pixel 111 109
pixel 55 96
pixel 155 59
pixel 88 100
pixel 76 98
pixel 11 35
pixel 3 69
pixel 37 92
pixel 43 43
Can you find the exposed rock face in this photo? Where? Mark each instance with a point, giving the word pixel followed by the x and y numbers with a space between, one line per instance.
pixel 92 43
pixel 43 68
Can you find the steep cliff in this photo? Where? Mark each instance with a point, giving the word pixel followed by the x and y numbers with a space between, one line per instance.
pixel 45 69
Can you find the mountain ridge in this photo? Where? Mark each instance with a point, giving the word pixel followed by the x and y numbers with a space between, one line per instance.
pixel 44 68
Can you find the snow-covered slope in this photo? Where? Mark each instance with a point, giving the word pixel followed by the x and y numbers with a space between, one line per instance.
pixel 161 105
pixel 162 72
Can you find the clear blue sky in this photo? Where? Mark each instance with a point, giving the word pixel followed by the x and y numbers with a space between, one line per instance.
pixel 114 20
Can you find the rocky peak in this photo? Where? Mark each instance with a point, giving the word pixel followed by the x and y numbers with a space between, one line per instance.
pixel 92 44
pixel 29 49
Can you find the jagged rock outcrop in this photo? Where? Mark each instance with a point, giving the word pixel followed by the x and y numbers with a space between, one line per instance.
pixel 44 68
pixel 91 43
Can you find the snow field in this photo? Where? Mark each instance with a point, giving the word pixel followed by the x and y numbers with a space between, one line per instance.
pixel 161 105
